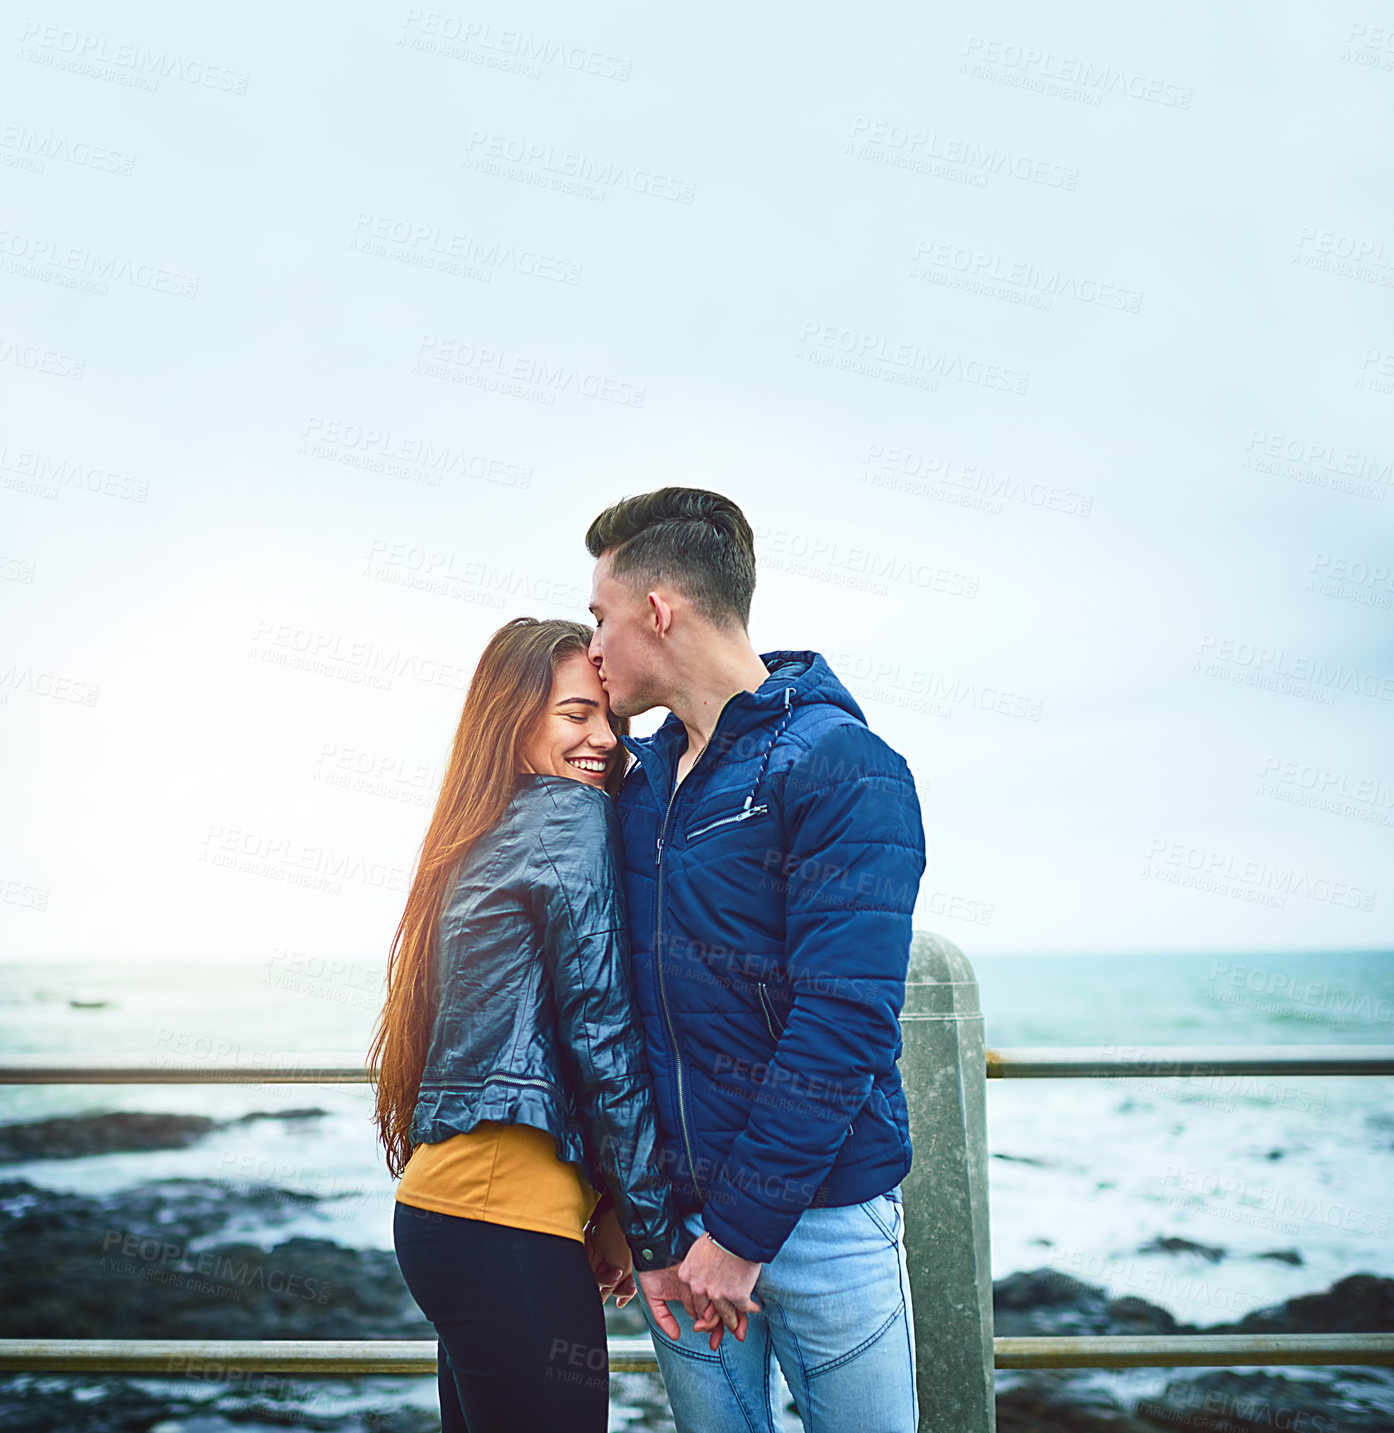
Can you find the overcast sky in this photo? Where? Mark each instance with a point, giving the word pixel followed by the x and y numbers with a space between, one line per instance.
pixel 1051 358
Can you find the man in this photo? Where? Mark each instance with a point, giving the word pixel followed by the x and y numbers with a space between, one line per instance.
pixel 773 851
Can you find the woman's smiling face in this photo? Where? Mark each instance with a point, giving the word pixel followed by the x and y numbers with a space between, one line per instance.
pixel 574 736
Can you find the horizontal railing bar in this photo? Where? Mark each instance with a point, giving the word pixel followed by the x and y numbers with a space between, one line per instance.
pixel 1194 1350
pixel 265 1069
pixel 211 1358
pixel 1016 1063
pixel 1162 1061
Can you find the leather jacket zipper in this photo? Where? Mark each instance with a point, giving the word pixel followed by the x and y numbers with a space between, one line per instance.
pixel 521 1080
pixel 739 816
pixel 662 991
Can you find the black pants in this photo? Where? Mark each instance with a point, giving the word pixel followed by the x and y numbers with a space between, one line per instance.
pixel 520 1325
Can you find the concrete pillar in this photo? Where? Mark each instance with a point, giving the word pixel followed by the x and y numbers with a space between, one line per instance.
pixel 944 1069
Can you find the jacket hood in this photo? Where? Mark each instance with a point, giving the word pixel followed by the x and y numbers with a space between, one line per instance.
pixel 801 678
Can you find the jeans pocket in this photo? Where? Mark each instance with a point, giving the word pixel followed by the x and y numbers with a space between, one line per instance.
pixel 884 1213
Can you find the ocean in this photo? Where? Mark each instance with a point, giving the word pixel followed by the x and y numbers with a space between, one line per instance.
pixel 1279 1186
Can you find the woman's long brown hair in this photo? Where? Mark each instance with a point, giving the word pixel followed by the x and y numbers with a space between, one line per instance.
pixel 508 696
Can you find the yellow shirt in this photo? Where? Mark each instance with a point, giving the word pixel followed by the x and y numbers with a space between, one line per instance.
pixel 502 1174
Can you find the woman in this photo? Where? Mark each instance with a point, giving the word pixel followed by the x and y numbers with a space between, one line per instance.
pixel 511 1080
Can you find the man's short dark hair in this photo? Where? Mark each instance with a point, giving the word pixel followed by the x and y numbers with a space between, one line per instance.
pixel 696 540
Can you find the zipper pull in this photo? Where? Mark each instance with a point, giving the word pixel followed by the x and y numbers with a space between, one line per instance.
pixel 658 851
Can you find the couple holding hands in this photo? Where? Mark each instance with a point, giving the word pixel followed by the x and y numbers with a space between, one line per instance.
pixel 641 1024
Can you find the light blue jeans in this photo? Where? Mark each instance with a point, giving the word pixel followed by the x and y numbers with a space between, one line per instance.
pixel 835 1313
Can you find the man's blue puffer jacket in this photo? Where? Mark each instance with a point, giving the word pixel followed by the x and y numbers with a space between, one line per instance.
pixel 770 903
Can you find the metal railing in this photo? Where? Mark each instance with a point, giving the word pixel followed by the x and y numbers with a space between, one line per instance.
pixel 943 1054
pixel 1025 1062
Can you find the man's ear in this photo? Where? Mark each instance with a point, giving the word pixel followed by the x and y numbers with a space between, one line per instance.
pixel 660 612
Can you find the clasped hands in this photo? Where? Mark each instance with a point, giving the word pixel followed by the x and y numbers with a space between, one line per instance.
pixel 712 1285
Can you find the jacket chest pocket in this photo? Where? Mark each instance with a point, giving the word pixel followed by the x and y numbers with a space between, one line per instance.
pixel 743 819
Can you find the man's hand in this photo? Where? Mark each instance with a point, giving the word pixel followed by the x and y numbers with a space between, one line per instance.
pixel 723 1283
pixel 661 1287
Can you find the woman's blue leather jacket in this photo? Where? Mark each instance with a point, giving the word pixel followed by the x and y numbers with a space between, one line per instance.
pixel 536 1022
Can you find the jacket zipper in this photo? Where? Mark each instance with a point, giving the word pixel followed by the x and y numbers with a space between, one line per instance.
pixel 739 816
pixel 662 990
pixel 768 1011
pixel 520 1080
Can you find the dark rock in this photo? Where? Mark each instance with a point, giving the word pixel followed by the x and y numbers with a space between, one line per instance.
pixel 121 1132
pixel 80 1135
pixel 1284 1256
pixel 1042 1302
pixel 1057 1401
pixel 1361 1303
pixel 1047 1301
pixel 1131 1315
pixel 311 1113
pixel 1172 1244
pixel 1219 1401
pixel 145 1261
pixel 1224 1401
pixel 46 1403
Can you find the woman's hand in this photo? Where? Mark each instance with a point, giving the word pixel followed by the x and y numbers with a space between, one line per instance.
pixel 610 1259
